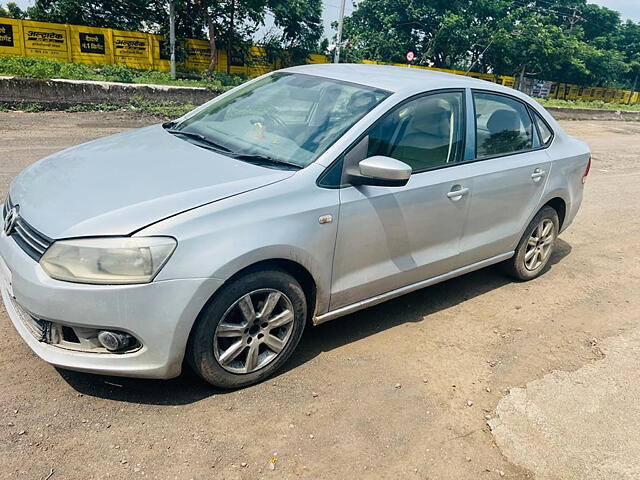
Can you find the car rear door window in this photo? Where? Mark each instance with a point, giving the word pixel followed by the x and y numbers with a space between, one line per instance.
pixel 425 132
pixel 503 125
pixel 545 132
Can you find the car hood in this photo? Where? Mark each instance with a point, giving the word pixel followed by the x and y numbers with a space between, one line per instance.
pixel 119 184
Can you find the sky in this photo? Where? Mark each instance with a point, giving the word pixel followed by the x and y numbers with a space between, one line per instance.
pixel 628 9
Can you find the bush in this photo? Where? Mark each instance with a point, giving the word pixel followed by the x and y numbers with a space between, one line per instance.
pixel 595 104
pixel 163 109
pixel 46 68
pixel 115 73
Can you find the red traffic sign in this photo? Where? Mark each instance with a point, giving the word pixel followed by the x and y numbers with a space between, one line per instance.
pixel 410 56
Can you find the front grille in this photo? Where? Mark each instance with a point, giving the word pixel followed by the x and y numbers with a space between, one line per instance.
pixel 28 238
pixel 37 327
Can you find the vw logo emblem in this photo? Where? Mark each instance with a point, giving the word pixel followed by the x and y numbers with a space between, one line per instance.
pixel 10 220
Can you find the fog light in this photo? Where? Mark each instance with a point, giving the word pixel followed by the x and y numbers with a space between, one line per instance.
pixel 115 341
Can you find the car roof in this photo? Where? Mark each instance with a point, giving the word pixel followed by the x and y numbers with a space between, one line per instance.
pixel 395 79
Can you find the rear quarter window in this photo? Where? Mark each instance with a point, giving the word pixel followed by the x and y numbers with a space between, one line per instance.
pixel 545 132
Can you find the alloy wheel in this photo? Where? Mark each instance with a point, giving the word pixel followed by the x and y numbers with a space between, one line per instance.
pixel 539 245
pixel 253 331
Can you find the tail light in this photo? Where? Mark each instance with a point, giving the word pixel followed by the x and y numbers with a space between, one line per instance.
pixel 586 171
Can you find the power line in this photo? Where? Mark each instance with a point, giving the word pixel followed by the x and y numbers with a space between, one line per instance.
pixel 531 6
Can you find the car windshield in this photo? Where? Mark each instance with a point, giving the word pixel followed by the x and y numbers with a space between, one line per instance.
pixel 283 118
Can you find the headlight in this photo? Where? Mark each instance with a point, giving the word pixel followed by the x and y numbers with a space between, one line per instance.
pixel 112 260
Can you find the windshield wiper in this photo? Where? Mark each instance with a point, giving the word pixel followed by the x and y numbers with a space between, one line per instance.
pixel 200 138
pixel 256 157
pixel 249 157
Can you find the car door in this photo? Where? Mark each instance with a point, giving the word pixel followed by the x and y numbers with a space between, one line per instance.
pixel 389 237
pixel 509 176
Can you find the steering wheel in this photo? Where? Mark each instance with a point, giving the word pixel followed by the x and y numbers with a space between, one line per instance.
pixel 273 120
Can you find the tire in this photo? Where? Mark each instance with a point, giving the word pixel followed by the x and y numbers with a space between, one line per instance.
pixel 521 266
pixel 228 349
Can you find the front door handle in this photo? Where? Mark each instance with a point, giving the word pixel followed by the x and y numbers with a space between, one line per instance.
pixel 457 192
pixel 538 174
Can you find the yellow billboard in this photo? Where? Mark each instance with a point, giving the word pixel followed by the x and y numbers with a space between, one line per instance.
pixel 10 37
pixel 160 52
pixel 49 40
pixel 314 58
pixel 132 49
pixel 259 64
pixel 198 54
pixel 90 45
pixel 237 64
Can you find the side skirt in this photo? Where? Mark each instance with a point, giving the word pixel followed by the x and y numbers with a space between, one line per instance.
pixel 383 297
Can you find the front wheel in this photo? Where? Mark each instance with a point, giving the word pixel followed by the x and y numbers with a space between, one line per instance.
pixel 248 330
pixel 536 246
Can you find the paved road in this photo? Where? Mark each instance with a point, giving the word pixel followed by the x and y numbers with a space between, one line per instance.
pixel 552 364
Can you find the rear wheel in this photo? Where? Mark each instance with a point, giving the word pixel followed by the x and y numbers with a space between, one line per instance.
pixel 536 246
pixel 248 330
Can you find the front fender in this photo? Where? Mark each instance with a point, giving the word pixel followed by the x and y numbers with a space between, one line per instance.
pixel 282 252
pixel 278 221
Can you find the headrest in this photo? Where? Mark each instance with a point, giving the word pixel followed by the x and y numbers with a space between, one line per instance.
pixel 361 102
pixel 502 120
pixel 431 119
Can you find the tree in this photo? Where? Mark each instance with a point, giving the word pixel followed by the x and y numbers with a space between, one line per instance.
pixel 119 14
pixel 628 43
pixel 12 10
pixel 233 23
pixel 564 40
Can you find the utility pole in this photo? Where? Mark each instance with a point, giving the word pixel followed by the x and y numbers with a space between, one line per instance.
pixel 172 38
pixel 230 36
pixel 633 89
pixel 336 59
pixel 574 18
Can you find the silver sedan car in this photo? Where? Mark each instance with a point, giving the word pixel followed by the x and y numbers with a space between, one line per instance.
pixel 299 197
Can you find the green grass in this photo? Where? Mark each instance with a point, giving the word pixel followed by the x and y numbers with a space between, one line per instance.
pixel 597 105
pixel 162 109
pixel 166 110
pixel 45 68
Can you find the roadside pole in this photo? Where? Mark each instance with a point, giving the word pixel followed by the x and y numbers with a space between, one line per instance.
pixel 633 89
pixel 172 38
pixel 336 58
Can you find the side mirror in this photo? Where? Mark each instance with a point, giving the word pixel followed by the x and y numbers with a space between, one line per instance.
pixel 381 171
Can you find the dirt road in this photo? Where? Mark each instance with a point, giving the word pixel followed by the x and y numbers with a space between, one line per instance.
pixel 402 390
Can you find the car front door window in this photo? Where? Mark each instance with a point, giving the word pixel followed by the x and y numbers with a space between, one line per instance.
pixel 424 133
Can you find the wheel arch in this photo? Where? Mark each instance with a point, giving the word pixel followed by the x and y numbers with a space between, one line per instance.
pixel 296 270
pixel 560 206
pixel 314 278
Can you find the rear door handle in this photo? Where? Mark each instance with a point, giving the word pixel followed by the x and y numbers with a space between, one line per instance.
pixel 538 174
pixel 457 192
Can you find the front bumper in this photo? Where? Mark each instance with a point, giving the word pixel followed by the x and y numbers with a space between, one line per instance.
pixel 159 314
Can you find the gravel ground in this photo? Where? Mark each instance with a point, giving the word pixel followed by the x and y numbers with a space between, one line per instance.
pixel 401 390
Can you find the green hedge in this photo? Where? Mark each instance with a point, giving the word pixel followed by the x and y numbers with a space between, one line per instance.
pixel 596 104
pixel 45 68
